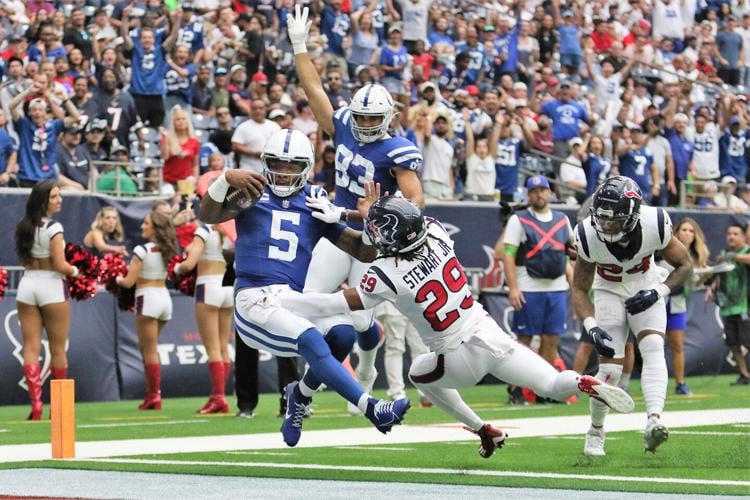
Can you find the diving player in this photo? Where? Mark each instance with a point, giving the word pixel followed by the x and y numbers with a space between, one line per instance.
pixel 275 240
pixel 616 246
pixel 364 151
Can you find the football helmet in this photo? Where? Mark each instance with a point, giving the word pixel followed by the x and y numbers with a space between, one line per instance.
pixel 395 226
pixel 371 101
pixel 616 208
pixel 285 150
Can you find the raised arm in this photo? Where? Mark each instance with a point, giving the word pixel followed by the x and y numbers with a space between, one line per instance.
pixel 125 27
pixel 298 27
pixel 174 30
pixel 469 132
pixel 16 111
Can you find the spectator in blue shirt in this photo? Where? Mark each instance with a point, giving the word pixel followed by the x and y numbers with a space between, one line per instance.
pixel 335 25
pixel 565 114
pixel 393 59
pixel 732 147
pixel 8 154
pixel 48 47
pixel 731 52
pixel 477 55
pixel 568 27
pixel 675 130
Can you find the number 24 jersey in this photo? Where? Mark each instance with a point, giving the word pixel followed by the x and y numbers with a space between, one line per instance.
pixel 431 291
pixel 632 269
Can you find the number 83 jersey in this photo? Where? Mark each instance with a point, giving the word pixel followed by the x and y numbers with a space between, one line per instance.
pixel 626 270
pixel 431 290
pixel 358 162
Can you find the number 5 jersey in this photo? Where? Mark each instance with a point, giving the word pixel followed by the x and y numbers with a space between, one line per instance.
pixel 626 270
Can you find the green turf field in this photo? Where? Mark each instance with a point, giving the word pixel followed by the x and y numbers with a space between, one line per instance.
pixel 705 459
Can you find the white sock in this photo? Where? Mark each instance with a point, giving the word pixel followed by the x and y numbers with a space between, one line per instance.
pixel 565 385
pixel 449 400
pixel 654 375
pixel 362 403
pixel 305 390
pixel 609 373
pixel 624 381
pixel 366 366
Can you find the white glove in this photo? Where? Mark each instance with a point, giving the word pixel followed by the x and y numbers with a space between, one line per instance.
pixel 324 210
pixel 298 27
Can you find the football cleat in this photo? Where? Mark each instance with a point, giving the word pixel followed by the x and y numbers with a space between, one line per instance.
pixel 491 438
pixel 593 445
pixel 612 396
pixel 655 434
pixel 682 390
pixel 385 414
pixel 296 403
pixel 367 384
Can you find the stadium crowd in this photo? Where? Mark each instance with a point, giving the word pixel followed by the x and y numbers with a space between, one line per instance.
pixel 654 91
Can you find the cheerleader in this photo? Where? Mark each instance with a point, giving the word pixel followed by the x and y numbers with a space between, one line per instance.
pixel 148 272
pixel 106 234
pixel 42 298
pixel 213 309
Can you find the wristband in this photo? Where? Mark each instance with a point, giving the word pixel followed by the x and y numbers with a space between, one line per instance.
pixel 299 48
pixel 663 290
pixel 589 323
pixel 75 272
pixel 218 188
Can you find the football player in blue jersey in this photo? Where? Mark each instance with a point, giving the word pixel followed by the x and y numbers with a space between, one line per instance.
pixel 149 49
pixel 275 241
pixel 364 152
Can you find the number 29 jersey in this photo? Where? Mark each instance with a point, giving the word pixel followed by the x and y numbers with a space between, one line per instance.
pixel 358 162
pixel 626 270
pixel 431 291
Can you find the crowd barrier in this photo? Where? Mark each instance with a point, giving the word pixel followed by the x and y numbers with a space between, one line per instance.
pixel 103 351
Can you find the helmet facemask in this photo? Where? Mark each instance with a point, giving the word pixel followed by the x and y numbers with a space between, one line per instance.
pixel 371 133
pixel 610 228
pixel 285 176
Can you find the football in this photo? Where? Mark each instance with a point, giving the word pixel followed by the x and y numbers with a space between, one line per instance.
pixel 237 200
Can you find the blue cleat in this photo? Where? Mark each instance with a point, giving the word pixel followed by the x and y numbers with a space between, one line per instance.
pixel 385 414
pixel 296 405
pixel 682 390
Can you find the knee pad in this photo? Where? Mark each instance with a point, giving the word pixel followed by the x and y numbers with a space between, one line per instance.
pixel 609 373
pixel 651 345
pixel 341 339
pixel 370 338
pixel 312 346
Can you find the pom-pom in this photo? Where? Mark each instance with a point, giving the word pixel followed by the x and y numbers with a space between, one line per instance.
pixel 111 266
pixel 3 282
pixel 84 286
pixel 185 283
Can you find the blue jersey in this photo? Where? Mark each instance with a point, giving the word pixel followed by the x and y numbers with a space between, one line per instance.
pixel 359 162
pixel 732 159
pixel 34 54
pixel 565 116
pixel 389 57
pixel 507 44
pixel 451 80
pixel 435 38
pixel 276 237
pixel 636 164
pixel 570 39
pixel 597 170
pixel 335 27
pixel 180 85
pixel 191 35
pixel 507 165
pixel 682 152
pixel 149 67
pixel 8 147
pixel 477 60
pixel 37 148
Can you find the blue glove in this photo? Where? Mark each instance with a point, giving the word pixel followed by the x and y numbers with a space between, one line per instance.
pixel 598 336
pixel 641 301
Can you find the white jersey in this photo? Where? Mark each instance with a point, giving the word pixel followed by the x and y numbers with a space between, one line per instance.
pixel 431 291
pixel 633 269
pixel 153 267
pixel 47 230
pixel 212 248
pixel 706 153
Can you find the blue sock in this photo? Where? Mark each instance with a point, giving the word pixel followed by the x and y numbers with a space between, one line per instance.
pixel 325 367
pixel 369 339
pixel 340 340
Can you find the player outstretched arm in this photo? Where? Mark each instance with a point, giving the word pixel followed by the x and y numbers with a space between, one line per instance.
pixel 298 27
pixel 250 184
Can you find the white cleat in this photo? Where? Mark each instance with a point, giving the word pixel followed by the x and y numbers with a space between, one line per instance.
pixel 654 435
pixel 612 396
pixel 594 444
pixel 367 384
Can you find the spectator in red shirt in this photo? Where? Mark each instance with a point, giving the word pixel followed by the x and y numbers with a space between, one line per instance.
pixel 179 148
pixel 422 59
pixel 602 36
pixel 16 48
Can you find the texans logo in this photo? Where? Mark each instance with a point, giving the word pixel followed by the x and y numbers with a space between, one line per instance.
pixel 632 193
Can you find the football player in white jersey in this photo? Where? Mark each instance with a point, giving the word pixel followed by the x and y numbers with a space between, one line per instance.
pixel 364 151
pixel 616 246
pixel 418 272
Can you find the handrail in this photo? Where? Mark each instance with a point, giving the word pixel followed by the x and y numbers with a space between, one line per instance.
pixel 128 166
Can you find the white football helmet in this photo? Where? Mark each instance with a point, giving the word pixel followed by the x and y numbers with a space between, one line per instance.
pixel 287 146
pixel 371 100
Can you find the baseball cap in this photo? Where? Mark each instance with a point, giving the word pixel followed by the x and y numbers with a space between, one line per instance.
pixel 117 147
pixel 537 181
pixel 681 117
pixel 473 90
pixel 575 141
pixel 395 27
pixel 728 179
pixel 489 28
pixel 72 129
pixel 427 85
pixel 260 77
pixel 520 86
pixel 220 71
pixel 276 113
pixel 568 13
pixel 361 68
pixel 96 124
pixel 237 67
pixel 644 25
